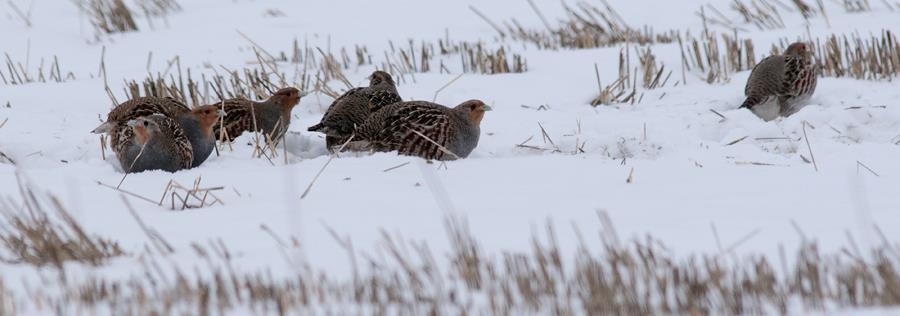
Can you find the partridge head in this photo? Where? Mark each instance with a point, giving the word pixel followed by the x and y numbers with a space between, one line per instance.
pixel 474 110
pixel 144 129
pixel 207 116
pixel 286 97
pixel 381 78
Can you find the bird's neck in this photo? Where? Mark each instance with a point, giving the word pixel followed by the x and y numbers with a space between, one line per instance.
pixel 141 136
pixel 475 118
pixel 286 114
pixel 193 127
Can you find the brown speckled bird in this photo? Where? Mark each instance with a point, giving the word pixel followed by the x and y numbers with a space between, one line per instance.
pixel 138 107
pixel 354 107
pixel 196 124
pixel 404 127
pixel 273 116
pixel 152 142
pixel 788 79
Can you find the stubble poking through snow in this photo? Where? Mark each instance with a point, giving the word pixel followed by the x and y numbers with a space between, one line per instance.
pixel 667 165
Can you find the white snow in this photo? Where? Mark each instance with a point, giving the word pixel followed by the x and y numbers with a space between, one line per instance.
pixel 686 176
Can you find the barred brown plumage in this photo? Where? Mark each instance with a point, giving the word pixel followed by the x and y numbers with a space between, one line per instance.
pixel 354 107
pixel 425 129
pixel 152 142
pixel 788 79
pixel 273 116
pixel 196 124
pixel 141 106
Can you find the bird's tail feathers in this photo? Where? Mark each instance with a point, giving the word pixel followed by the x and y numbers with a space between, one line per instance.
pixel 316 128
pixel 750 102
pixel 103 128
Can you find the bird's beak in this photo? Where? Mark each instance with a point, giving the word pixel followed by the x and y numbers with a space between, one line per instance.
pixel 132 123
pixel 221 112
pixel 103 128
pixel 488 108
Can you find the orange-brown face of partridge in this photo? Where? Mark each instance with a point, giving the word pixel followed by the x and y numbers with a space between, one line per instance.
pixel 287 97
pixel 143 130
pixel 475 110
pixel 208 115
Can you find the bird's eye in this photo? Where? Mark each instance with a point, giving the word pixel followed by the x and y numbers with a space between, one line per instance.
pixel 206 112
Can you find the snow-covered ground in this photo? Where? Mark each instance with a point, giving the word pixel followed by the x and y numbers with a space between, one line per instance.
pixel 685 174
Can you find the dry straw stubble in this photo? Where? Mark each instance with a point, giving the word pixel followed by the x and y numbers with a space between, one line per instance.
pixel 640 276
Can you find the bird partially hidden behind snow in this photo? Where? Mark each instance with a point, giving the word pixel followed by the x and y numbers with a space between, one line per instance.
pixel 355 106
pixel 272 116
pixel 425 129
pixel 152 142
pixel 783 81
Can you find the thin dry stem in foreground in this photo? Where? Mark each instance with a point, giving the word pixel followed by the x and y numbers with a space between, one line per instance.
pixel 41 232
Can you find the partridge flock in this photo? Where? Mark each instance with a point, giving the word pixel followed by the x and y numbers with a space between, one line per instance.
pixel 150 133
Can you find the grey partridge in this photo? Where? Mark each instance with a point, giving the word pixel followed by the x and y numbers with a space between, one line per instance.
pixel 354 107
pixel 272 115
pixel 152 142
pixel 788 79
pixel 425 129
pixel 198 127
pixel 196 124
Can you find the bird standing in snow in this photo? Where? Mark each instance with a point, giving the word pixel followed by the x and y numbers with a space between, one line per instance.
pixel 272 116
pixel 152 142
pixel 425 129
pixel 355 106
pixel 788 79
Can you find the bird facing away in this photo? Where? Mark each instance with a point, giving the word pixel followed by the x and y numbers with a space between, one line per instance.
pixel 355 106
pixel 138 107
pixel 198 128
pixel 272 116
pixel 788 79
pixel 404 127
pixel 153 142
